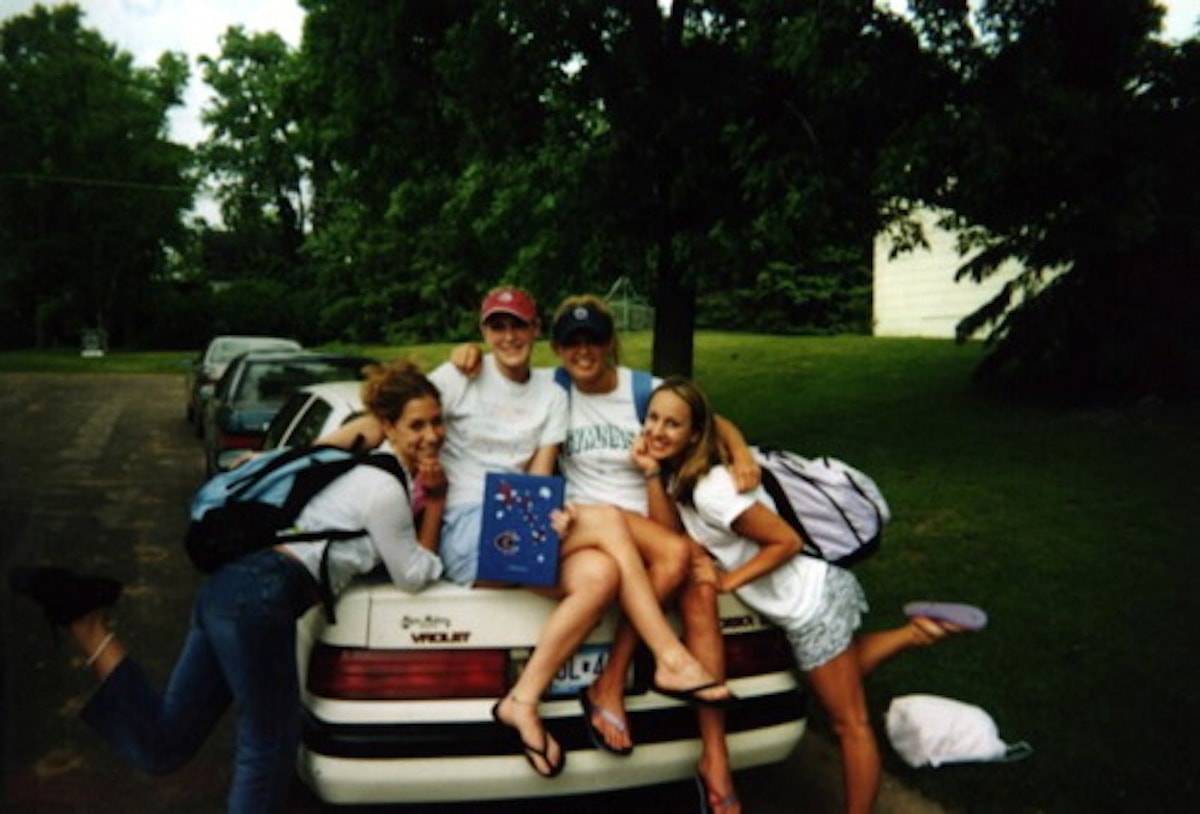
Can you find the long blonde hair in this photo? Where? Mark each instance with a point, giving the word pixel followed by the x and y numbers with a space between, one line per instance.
pixel 703 451
pixel 596 304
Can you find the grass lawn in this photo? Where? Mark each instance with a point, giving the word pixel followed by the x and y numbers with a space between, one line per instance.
pixel 1075 529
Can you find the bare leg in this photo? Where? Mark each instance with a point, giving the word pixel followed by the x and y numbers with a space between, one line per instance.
pixel 873 649
pixel 90 633
pixel 667 558
pixel 698 605
pixel 589 584
pixel 604 527
pixel 838 685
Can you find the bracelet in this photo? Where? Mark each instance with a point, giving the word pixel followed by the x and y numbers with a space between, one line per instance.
pixel 651 475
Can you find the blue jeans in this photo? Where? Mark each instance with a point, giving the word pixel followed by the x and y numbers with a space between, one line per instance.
pixel 242 648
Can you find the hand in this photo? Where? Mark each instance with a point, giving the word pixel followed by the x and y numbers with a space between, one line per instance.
pixel 432 477
pixel 468 359
pixel 725 583
pixel 640 452
pixel 561 520
pixel 746 473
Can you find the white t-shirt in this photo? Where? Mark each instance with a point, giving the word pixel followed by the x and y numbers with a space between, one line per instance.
pixel 494 424
pixel 600 435
pixel 788 595
pixel 371 499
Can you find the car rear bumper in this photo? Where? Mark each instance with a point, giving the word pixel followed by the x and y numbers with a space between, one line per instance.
pixel 476 760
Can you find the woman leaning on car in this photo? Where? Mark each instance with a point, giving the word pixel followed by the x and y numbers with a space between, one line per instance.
pixel 241 644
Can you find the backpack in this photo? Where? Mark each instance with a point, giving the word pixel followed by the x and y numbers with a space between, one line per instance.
pixel 838 510
pixel 642 382
pixel 252 507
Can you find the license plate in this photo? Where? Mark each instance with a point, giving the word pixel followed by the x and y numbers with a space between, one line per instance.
pixel 580 670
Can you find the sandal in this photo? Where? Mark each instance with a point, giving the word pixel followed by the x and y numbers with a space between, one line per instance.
pixel 702 790
pixel 594 734
pixel 530 751
pixel 690 695
pixel 64 595
pixel 967 617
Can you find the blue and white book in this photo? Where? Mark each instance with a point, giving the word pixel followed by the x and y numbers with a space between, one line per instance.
pixel 516 541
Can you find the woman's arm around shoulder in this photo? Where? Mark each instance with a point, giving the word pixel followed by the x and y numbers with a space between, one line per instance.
pixel 364 432
pixel 742 465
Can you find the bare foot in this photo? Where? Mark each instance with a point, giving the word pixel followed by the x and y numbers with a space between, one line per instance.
pixel 541 750
pixel 678 669
pixel 926 631
pixel 608 713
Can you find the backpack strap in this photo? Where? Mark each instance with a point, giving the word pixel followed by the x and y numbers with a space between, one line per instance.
pixel 643 386
pixel 783 507
pixel 563 379
pixel 308 489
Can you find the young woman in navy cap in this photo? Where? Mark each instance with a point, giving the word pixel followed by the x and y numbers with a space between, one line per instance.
pixel 596 459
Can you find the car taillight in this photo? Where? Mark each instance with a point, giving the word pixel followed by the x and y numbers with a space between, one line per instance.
pixel 764 651
pixel 403 675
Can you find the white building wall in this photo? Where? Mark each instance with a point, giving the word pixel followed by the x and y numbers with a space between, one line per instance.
pixel 915 293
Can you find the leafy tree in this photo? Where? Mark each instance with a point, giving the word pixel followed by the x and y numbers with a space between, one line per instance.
pixel 91 191
pixel 255 153
pixel 1069 146
pixel 563 145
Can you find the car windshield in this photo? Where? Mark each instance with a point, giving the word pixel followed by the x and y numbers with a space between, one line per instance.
pixel 271 381
pixel 223 350
pixel 284 418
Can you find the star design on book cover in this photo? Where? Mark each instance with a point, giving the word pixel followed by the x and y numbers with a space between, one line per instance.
pixel 531 507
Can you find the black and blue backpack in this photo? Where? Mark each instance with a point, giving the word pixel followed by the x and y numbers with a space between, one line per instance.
pixel 255 506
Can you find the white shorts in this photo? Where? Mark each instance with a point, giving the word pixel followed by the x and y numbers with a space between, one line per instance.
pixel 832 627
pixel 459 543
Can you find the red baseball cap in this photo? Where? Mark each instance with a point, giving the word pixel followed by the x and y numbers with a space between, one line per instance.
pixel 509 301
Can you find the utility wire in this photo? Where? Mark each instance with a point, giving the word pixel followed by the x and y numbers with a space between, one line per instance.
pixel 73 180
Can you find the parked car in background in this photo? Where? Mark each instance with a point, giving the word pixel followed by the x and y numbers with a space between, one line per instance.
pixel 253 388
pixel 397 693
pixel 206 369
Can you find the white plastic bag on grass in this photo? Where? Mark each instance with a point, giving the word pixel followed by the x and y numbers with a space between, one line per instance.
pixel 929 730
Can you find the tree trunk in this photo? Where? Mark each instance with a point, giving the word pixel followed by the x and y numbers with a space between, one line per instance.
pixel 674 319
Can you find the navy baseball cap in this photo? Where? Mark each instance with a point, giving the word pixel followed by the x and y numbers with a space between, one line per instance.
pixel 583 319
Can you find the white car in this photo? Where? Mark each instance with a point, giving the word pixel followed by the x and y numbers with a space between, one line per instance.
pixel 397 693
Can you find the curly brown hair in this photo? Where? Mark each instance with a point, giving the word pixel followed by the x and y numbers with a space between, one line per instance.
pixel 391 386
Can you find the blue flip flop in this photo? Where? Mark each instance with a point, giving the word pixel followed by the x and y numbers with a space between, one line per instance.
pixel 597 738
pixel 968 617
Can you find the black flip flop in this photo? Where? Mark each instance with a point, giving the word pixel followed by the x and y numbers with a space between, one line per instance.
pixel 689 695
pixel 532 751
